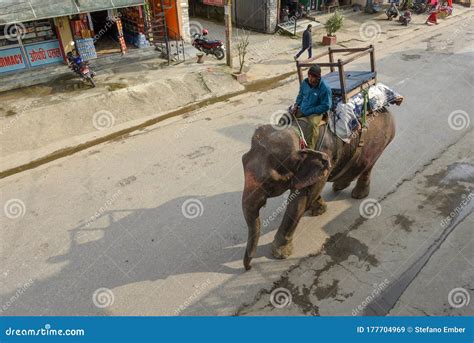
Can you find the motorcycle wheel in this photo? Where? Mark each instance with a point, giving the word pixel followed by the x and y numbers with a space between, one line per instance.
pixel 219 53
pixel 91 80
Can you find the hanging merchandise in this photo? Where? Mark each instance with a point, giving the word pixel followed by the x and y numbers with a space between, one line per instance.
pixel 147 19
pixel 123 46
pixel 133 19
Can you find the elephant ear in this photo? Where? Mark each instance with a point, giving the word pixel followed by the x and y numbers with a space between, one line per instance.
pixel 313 166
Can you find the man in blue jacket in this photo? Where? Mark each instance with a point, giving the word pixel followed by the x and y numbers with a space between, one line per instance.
pixel 307 43
pixel 315 95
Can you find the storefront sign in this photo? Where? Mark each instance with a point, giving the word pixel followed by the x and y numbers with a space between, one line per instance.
pixel 214 2
pixel 44 53
pixel 11 59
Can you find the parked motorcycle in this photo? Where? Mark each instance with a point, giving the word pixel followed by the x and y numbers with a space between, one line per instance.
pixel 213 47
pixel 81 68
pixel 405 18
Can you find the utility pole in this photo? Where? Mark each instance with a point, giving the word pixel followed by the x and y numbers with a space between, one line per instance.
pixel 228 31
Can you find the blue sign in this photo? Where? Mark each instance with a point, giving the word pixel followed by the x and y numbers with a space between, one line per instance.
pixel 11 59
pixel 44 53
pixel 237 329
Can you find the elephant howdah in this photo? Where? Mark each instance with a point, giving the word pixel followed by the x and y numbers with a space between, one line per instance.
pixel 275 163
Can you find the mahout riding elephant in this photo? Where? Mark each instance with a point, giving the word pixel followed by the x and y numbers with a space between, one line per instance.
pixel 276 163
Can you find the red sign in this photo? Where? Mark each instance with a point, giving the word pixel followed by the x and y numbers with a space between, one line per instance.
pixel 11 59
pixel 214 2
pixel 44 53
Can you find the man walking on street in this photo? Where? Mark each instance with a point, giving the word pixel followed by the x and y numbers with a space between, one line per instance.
pixel 307 43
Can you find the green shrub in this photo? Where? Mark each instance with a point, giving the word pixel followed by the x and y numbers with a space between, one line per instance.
pixel 334 23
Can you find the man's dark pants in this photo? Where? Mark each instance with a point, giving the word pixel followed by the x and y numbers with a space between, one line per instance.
pixel 310 52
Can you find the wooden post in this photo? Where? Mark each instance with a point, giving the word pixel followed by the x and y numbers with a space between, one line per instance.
pixel 300 72
pixel 331 59
pixel 372 58
pixel 228 32
pixel 342 79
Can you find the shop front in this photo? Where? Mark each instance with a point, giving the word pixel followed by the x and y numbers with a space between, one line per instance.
pixel 35 34
pixel 29 45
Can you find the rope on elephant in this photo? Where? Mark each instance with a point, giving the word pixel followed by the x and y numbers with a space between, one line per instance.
pixel 363 120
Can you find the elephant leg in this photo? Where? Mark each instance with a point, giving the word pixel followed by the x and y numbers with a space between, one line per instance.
pixel 342 184
pixel 282 246
pixel 318 206
pixel 362 188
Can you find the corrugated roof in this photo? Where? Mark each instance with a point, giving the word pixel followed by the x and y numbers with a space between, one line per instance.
pixel 12 11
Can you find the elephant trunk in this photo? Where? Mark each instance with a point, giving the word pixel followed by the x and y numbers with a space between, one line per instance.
pixel 253 223
pixel 253 199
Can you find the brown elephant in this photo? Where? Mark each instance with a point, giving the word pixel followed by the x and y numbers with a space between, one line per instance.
pixel 275 164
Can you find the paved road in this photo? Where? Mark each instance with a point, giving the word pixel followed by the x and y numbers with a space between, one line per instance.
pixel 151 224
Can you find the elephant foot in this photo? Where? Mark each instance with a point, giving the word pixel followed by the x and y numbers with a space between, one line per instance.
pixel 361 191
pixel 282 251
pixel 336 186
pixel 318 207
pixel 247 261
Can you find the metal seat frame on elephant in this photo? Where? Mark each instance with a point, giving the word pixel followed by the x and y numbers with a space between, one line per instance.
pixel 344 84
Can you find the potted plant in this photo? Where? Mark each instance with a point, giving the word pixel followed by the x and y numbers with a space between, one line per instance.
pixel 333 25
pixel 242 49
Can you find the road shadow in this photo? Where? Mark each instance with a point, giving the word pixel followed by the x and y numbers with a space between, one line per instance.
pixel 186 235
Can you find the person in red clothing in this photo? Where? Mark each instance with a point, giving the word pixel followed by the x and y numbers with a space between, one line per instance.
pixel 433 18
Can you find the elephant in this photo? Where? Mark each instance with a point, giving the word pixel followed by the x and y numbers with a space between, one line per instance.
pixel 276 163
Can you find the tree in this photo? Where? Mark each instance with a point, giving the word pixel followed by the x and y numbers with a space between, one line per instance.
pixel 242 48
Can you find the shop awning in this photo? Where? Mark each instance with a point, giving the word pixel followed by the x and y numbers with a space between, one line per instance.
pixel 12 11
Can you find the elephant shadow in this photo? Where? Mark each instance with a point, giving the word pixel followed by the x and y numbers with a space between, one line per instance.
pixel 119 247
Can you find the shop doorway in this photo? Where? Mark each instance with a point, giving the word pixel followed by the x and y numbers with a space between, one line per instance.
pixel 105 33
pixel 289 9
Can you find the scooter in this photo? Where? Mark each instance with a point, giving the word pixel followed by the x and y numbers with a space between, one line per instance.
pixel 405 18
pixel 213 47
pixel 81 68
